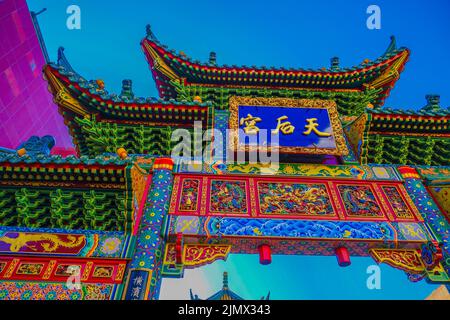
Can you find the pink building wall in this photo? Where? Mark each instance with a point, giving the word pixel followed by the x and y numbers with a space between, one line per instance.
pixel 26 106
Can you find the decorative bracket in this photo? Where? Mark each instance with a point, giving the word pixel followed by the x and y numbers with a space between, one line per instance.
pixel 193 256
pixel 408 260
pixel 418 264
pixel 431 254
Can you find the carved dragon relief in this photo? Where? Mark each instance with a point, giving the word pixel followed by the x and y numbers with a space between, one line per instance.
pixel 47 242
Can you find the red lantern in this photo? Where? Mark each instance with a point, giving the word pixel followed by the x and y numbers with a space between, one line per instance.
pixel 179 249
pixel 265 254
pixel 343 256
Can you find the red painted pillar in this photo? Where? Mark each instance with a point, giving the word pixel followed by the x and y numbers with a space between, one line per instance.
pixel 265 254
pixel 179 249
pixel 343 256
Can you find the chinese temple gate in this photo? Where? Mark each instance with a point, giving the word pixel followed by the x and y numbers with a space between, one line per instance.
pixel 225 293
pixel 353 178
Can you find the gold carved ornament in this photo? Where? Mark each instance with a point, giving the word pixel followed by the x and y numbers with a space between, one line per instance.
pixel 196 255
pixel 330 106
pixel 408 260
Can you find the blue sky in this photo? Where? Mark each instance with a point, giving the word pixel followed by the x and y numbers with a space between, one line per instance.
pixel 295 278
pixel 288 33
pixel 279 33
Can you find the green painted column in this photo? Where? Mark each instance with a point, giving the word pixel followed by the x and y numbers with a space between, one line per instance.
pixel 144 274
pixel 430 212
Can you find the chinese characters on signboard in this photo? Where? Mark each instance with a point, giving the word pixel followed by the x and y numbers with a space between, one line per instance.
pixel 137 285
pixel 300 126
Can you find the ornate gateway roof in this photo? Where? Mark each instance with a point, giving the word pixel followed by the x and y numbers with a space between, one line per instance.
pixel 394 136
pixel 101 122
pixel 173 71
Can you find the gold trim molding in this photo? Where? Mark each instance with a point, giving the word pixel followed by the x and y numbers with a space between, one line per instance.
pixel 338 134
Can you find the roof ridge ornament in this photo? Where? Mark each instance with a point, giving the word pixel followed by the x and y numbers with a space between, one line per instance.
pixel 335 64
pixel 37 146
pixel 212 58
pixel 392 46
pixel 433 103
pixel 149 33
pixel 225 280
pixel 266 297
pixel 63 62
pixel 127 90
